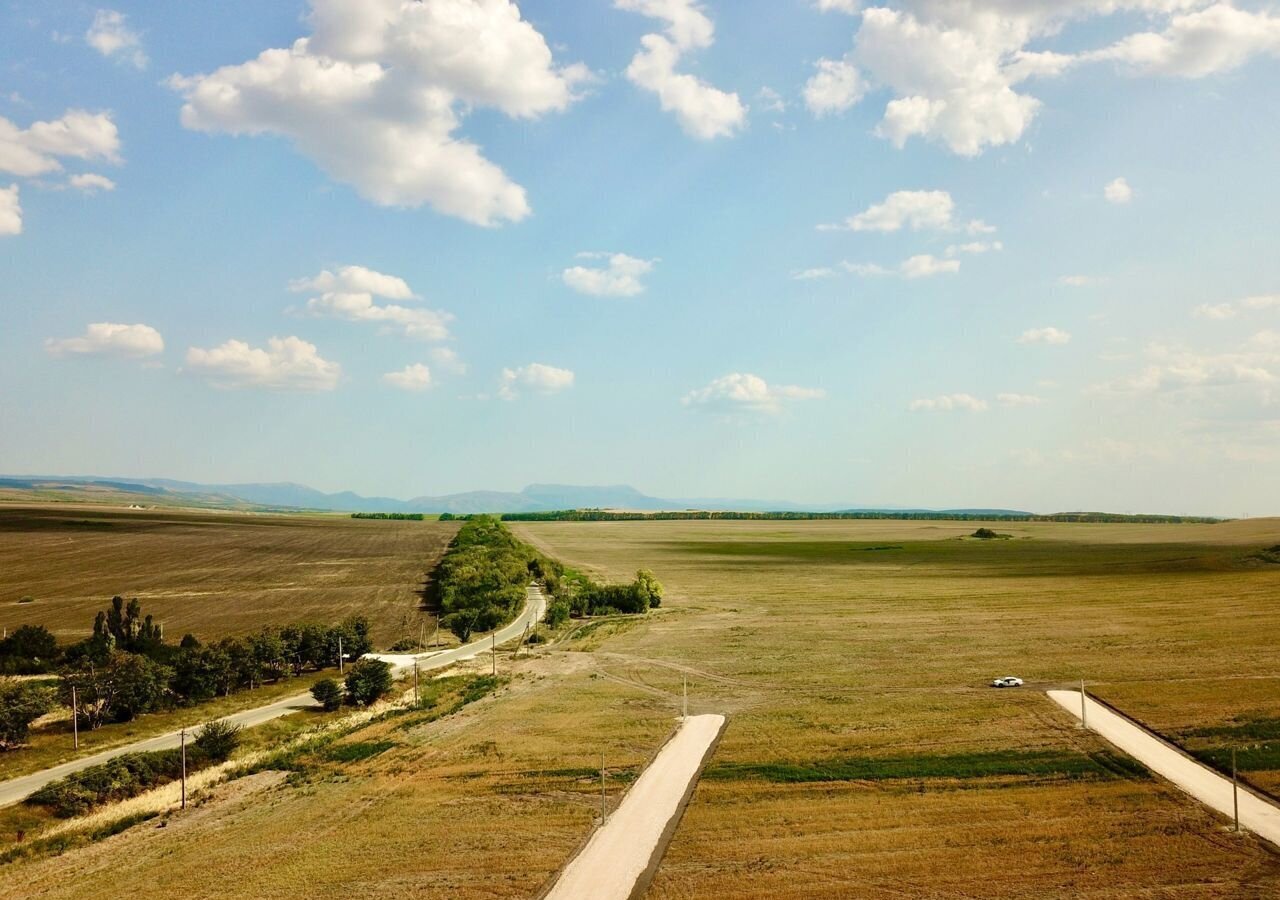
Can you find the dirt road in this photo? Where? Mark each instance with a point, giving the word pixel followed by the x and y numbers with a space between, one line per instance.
pixel 623 854
pixel 1201 782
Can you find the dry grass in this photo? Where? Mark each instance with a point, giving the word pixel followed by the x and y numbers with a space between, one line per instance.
pixel 824 651
pixel 212 573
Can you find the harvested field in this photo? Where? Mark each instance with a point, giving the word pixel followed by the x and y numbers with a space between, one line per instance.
pixel 212 573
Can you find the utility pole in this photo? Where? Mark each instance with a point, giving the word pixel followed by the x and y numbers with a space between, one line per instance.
pixel 1084 707
pixel 184 768
pixel 339 654
pixel 602 787
pixel 417 694
pixel 422 635
pixel 75 718
pixel 437 641
pixel 1235 789
pixel 684 679
pixel 493 651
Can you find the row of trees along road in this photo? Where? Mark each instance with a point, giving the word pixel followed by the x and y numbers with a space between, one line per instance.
pixel 126 668
pixel 480 584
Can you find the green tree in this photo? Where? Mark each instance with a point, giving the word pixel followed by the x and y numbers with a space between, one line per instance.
pixel 117 689
pixel 328 694
pixel 649 588
pixel 30 650
pixel 218 740
pixel 20 704
pixel 367 681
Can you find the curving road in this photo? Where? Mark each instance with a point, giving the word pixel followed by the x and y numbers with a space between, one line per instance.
pixel 1198 780
pixel 18 789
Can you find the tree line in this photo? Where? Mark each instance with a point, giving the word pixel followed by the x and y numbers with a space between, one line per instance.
pixel 607 515
pixel 480 585
pixel 126 668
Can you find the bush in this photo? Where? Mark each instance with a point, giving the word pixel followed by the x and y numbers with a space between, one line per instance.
pixel 328 694
pixel 30 650
pixel 117 779
pixel 20 705
pixel 218 740
pixel 557 614
pixel 367 681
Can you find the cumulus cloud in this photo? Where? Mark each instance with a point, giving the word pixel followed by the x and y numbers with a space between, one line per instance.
pixel 350 293
pixel 814 274
pixel 836 86
pixel 91 183
pixel 447 359
pixel 915 210
pixel 950 403
pixel 848 7
pixel 376 94
pixel 1046 335
pixel 957 72
pixel 1118 192
pixel 926 266
pixel 36 150
pixel 619 277
pixel 287 364
pixel 537 377
pixel 10 211
pixel 1203 42
pixel 704 112
pixel 975 247
pixel 1215 311
pixel 416 377
pixel 740 392
pixel 111 36
pixel 109 339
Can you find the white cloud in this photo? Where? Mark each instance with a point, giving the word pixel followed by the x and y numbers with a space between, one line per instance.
pixel 925 266
pixel 1177 368
pixel 836 87
pixel 10 211
pixel 1046 335
pixel 111 37
pixel 620 277
pixel 1080 281
pixel 1118 192
pixel 376 94
pixel 848 7
pixel 705 112
pixel 77 133
pixel 355 280
pixel 769 100
pixel 950 403
pixel 1215 311
pixel 447 358
pixel 1264 301
pixel 865 270
pixel 742 392
pixel 109 339
pixel 289 364
pixel 1014 401
pixel 814 274
pixel 416 377
pixel 536 377
pixel 91 183
pixel 1203 42
pixel 916 210
pixel 350 294
pixel 975 247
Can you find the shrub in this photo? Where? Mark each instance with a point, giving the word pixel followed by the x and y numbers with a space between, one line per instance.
pixel 20 705
pixel 218 740
pixel 557 614
pixel 367 681
pixel 328 694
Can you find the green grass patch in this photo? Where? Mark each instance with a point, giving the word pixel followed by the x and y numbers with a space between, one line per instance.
pixel 1029 764
pixel 1240 732
pixel 1258 758
pixel 358 751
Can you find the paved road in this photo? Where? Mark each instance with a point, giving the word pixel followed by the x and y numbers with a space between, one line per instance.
pixel 1201 782
pixel 19 788
pixel 623 855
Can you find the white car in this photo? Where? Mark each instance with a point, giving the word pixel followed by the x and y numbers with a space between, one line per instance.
pixel 1007 681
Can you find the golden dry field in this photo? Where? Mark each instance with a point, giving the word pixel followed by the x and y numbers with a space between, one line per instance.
pixel 212 573
pixel 864 756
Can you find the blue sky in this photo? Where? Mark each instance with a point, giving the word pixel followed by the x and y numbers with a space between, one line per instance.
pixel 982 253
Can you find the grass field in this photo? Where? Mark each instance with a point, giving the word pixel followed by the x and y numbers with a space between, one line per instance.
pixel 864 756
pixel 211 573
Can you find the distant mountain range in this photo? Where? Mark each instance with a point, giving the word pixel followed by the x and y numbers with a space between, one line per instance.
pixel 534 498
